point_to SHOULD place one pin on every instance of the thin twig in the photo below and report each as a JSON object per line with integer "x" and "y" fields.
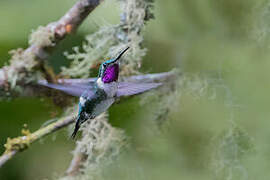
{"x": 64, "y": 26}
{"x": 19, "y": 144}
{"x": 76, "y": 164}
{"x": 5, "y": 157}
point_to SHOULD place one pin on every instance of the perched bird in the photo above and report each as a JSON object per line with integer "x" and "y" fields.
{"x": 98, "y": 94}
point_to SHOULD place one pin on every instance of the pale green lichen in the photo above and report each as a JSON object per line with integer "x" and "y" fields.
{"x": 230, "y": 147}
{"x": 23, "y": 62}
{"x": 42, "y": 37}
{"x": 21, "y": 66}
{"x": 93, "y": 48}
{"x": 167, "y": 99}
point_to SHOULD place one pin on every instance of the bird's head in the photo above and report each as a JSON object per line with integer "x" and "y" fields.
{"x": 109, "y": 70}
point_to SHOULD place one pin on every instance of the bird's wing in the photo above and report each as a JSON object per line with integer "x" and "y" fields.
{"x": 145, "y": 78}
{"x": 72, "y": 81}
{"x": 74, "y": 90}
{"x": 124, "y": 88}
{"x": 130, "y": 88}
{"x": 151, "y": 78}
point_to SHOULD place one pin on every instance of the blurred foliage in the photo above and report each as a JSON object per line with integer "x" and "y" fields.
{"x": 218, "y": 123}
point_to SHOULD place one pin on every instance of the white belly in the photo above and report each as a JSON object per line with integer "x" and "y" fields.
{"x": 109, "y": 88}
{"x": 102, "y": 106}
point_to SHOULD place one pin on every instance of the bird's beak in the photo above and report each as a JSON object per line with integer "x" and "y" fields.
{"x": 119, "y": 56}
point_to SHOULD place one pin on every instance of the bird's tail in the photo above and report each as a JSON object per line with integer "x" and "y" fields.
{"x": 77, "y": 127}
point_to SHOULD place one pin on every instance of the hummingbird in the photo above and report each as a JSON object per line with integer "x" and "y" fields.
{"x": 98, "y": 94}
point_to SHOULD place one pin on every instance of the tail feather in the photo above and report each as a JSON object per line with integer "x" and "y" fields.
{"x": 77, "y": 127}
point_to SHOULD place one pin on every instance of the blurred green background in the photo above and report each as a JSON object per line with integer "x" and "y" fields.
{"x": 223, "y": 44}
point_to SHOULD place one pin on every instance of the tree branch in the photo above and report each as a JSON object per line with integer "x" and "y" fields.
{"x": 66, "y": 25}
{"x": 38, "y": 50}
{"x": 5, "y": 157}
{"x": 19, "y": 144}
{"x": 76, "y": 164}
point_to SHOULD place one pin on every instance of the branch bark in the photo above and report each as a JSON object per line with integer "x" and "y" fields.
{"x": 76, "y": 164}
{"x": 19, "y": 144}
{"x": 64, "y": 26}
